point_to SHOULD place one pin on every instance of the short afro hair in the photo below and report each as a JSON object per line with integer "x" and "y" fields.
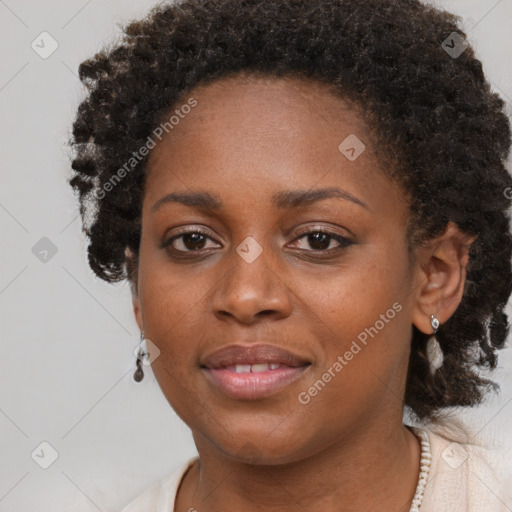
{"x": 431, "y": 114}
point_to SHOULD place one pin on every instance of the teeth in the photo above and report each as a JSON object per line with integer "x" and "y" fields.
{"x": 263, "y": 367}
{"x": 254, "y": 368}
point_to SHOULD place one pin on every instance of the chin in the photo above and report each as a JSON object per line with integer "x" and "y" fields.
{"x": 259, "y": 447}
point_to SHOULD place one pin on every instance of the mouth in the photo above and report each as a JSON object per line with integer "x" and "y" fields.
{"x": 250, "y": 373}
{"x": 254, "y": 368}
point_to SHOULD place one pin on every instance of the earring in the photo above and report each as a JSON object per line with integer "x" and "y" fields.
{"x": 434, "y": 352}
{"x": 434, "y": 322}
{"x": 139, "y": 372}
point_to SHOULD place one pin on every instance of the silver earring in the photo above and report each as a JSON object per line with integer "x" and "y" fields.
{"x": 434, "y": 351}
{"x": 139, "y": 372}
{"x": 434, "y": 322}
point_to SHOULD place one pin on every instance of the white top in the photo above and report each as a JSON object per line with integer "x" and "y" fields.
{"x": 463, "y": 477}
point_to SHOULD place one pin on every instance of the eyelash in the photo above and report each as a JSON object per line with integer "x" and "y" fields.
{"x": 343, "y": 241}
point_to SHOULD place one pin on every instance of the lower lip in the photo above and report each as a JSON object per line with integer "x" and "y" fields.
{"x": 251, "y": 386}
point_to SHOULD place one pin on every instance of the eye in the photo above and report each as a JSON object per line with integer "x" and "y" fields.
{"x": 195, "y": 239}
{"x": 320, "y": 240}
{"x": 188, "y": 241}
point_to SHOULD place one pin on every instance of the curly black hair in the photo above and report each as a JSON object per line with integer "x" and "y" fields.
{"x": 431, "y": 114}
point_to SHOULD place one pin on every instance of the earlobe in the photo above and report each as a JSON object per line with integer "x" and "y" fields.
{"x": 137, "y": 311}
{"x": 441, "y": 273}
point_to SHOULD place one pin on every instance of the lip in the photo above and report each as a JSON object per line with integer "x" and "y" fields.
{"x": 219, "y": 370}
{"x": 262, "y": 353}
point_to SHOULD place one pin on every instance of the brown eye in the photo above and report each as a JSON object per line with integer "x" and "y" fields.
{"x": 193, "y": 241}
{"x": 321, "y": 240}
{"x": 189, "y": 241}
{"x": 197, "y": 240}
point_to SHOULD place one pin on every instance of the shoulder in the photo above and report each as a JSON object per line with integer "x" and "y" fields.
{"x": 466, "y": 474}
{"x": 161, "y": 495}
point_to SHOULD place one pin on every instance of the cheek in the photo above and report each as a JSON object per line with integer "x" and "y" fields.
{"x": 173, "y": 312}
{"x": 170, "y": 303}
{"x": 363, "y": 311}
{"x": 358, "y": 292}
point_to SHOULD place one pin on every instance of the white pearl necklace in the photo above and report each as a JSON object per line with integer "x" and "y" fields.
{"x": 425, "y": 461}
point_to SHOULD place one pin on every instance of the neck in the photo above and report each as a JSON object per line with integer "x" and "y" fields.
{"x": 377, "y": 470}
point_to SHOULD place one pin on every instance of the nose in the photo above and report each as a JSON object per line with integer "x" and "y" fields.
{"x": 252, "y": 289}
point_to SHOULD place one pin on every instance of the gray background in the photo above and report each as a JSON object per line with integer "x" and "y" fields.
{"x": 67, "y": 337}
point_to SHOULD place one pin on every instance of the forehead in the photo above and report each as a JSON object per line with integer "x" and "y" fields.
{"x": 257, "y": 134}
{"x": 262, "y": 105}
{"x": 253, "y": 115}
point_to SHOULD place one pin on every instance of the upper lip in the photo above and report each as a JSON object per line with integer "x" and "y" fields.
{"x": 253, "y": 354}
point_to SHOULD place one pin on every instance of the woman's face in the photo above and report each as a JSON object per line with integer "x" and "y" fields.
{"x": 340, "y": 302}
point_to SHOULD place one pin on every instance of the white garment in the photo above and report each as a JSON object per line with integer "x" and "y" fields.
{"x": 463, "y": 477}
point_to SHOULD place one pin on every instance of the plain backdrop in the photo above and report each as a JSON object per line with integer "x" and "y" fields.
{"x": 67, "y": 358}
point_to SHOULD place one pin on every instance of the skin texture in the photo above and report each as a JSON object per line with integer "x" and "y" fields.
{"x": 247, "y": 139}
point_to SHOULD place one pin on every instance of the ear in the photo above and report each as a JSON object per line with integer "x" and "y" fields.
{"x": 131, "y": 262}
{"x": 440, "y": 276}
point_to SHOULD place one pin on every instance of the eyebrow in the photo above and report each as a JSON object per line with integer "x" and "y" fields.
{"x": 282, "y": 199}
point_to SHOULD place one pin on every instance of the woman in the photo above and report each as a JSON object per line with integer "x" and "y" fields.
{"x": 309, "y": 200}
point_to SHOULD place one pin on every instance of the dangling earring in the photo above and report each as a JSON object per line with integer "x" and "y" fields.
{"x": 434, "y": 352}
{"x": 139, "y": 372}
{"x": 434, "y": 322}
